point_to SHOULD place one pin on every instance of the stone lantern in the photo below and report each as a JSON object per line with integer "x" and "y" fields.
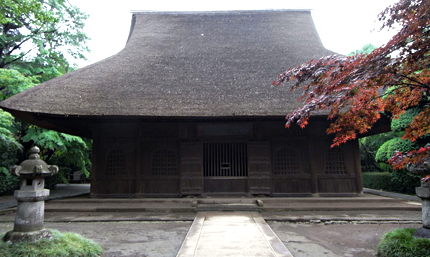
{"x": 31, "y": 197}
{"x": 423, "y": 192}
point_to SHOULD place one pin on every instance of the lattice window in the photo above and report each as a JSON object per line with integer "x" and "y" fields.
{"x": 227, "y": 159}
{"x": 335, "y": 162}
{"x": 164, "y": 163}
{"x": 286, "y": 162}
{"x": 116, "y": 163}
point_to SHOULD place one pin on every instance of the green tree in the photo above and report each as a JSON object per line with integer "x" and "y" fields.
{"x": 9, "y": 148}
{"x": 370, "y": 145}
{"x": 36, "y": 40}
{"x": 38, "y": 36}
{"x": 356, "y": 90}
{"x": 366, "y": 49}
{"x": 11, "y": 83}
{"x": 70, "y": 153}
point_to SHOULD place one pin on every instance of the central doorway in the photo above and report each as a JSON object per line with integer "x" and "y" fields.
{"x": 225, "y": 167}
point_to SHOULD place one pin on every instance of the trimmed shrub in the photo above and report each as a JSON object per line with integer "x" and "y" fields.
{"x": 404, "y": 120}
{"x": 377, "y": 180}
{"x": 402, "y": 243}
{"x": 387, "y": 150}
{"x": 398, "y": 181}
{"x": 404, "y": 182}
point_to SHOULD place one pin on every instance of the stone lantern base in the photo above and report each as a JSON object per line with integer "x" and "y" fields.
{"x": 18, "y": 237}
{"x": 423, "y": 192}
{"x": 30, "y": 211}
{"x": 422, "y": 232}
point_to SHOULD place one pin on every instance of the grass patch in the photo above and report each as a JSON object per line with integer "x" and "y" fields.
{"x": 61, "y": 244}
{"x": 402, "y": 243}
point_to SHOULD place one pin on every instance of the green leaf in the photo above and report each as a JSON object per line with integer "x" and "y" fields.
{"x": 13, "y": 82}
{"x": 38, "y": 37}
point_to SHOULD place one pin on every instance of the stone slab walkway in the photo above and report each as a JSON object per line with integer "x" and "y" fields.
{"x": 231, "y": 234}
{"x": 62, "y": 191}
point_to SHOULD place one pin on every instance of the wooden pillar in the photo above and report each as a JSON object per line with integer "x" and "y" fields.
{"x": 314, "y": 164}
{"x": 139, "y": 165}
{"x": 357, "y": 167}
{"x": 94, "y": 160}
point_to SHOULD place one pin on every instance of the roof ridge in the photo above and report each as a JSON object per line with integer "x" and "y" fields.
{"x": 217, "y": 11}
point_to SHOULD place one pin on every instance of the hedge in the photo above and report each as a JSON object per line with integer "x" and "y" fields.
{"x": 396, "y": 181}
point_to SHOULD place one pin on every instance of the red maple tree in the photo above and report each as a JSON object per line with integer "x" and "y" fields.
{"x": 355, "y": 90}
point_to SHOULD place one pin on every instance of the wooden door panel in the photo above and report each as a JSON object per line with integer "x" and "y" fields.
{"x": 191, "y": 168}
{"x": 259, "y": 167}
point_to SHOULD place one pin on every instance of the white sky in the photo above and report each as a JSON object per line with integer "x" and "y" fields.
{"x": 343, "y": 25}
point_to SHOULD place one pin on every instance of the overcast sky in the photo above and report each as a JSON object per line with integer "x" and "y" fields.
{"x": 343, "y": 25}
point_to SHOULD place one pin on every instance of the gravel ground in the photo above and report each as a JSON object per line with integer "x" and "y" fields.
{"x": 164, "y": 239}
{"x": 332, "y": 239}
{"x": 155, "y": 239}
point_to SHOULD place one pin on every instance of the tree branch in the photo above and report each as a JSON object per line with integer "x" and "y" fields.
{"x": 420, "y": 84}
{"x": 18, "y": 46}
{"x": 17, "y": 58}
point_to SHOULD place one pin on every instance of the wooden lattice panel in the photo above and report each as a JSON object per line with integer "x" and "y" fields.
{"x": 335, "y": 162}
{"x": 225, "y": 159}
{"x": 164, "y": 163}
{"x": 286, "y": 162}
{"x": 116, "y": 163}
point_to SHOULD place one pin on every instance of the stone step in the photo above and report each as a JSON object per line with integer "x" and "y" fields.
{"x": 229, "y": 204}
{"x": 227, "y": 207}
{"x": 273, "y": 200}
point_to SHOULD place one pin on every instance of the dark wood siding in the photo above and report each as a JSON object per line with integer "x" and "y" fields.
{"x": 259, "y": 165}
{"x": 180, "y": 159}
{"x": 116, "y": 147}
{"x": 159, "y": 174}
{"x": 191, "y": 168}
{"x": 338, "y": 174}
{"x": 290, "y": 169}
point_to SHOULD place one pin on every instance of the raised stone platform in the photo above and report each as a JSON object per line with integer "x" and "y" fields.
{"x": 260, "y": 204}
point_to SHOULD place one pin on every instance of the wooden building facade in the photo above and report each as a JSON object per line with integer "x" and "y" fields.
{"x": 203, "y": 158}
{"x": 187, "y": 108}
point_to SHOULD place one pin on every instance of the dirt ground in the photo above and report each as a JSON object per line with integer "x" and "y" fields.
{"x": 164, "y": 239}
{"x": 127, "y": 239}
{"x": 333, "y": 240}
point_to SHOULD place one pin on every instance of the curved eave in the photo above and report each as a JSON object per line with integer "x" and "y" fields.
{"x": 74, "y": 125}
{"x": 83, "y": 125}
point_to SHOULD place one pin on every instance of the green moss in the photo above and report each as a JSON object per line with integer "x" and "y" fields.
{"x": 402, "y": 243}
{"x": 61, "y": 244}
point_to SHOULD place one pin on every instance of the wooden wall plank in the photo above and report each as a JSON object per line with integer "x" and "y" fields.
{"x": 191, "y": 168}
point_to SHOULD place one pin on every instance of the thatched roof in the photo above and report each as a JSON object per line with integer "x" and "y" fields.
{"x": 202, "y": 64}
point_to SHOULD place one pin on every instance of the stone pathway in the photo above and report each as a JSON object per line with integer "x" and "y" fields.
{"x": 62, "y": 191}
{"x": 231, "y": 234}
